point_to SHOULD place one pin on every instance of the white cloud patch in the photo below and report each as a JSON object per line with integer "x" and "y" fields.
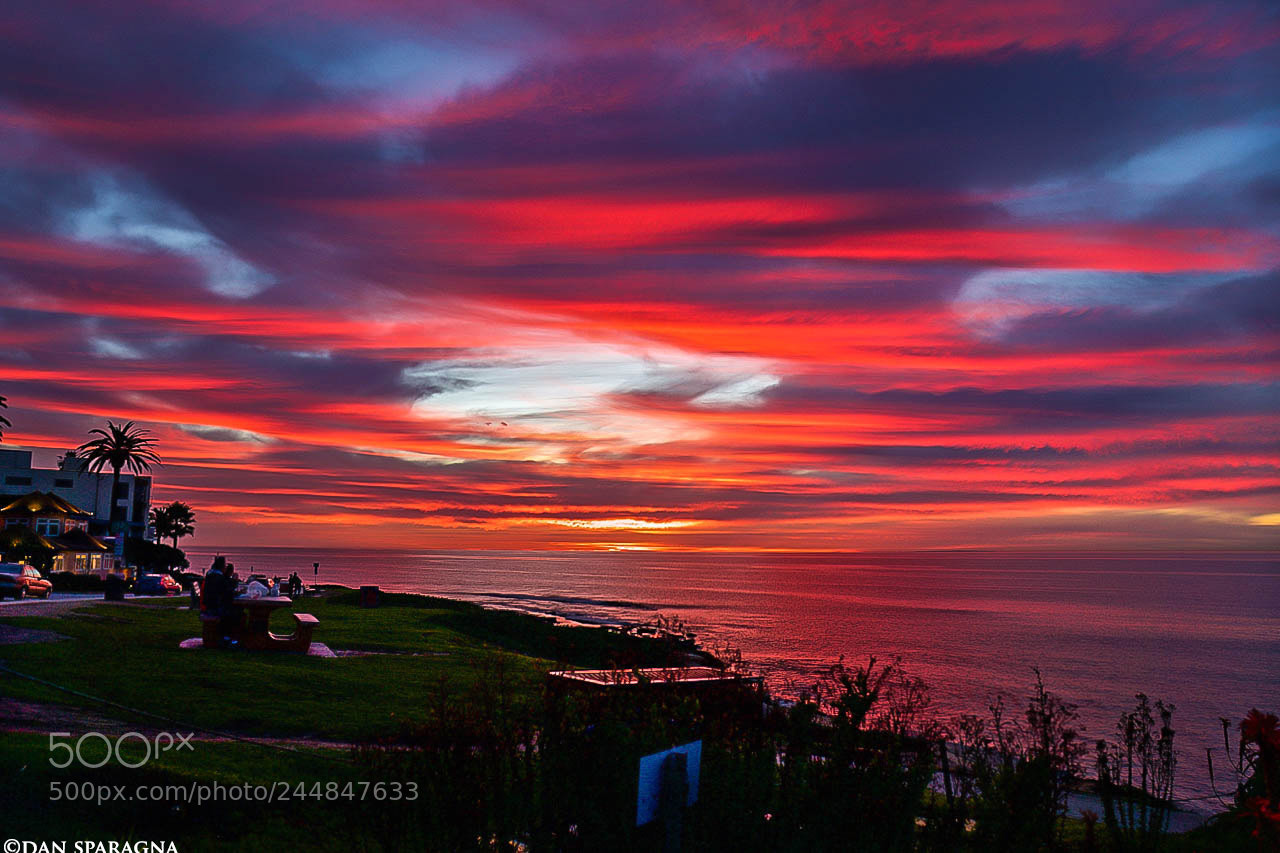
{"x": 418, "y": 69}
{"x": 744, "y": 393}
{"x": 217, "y": 433}
{"x": 575, "y": 387}
{"x": 992, "y": 301}
{"x": 1195, "y": 155}
{"x": 133, "y": 217}
{"x": 108, "y": 348}
{"x": 1229, "y": 155}
{"x": 614, "y": 523}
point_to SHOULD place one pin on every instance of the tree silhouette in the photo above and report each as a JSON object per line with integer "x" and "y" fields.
{"x": 174, "y": 521}
{"x": 4, "y": 422}
{"x": 161, "y": 522}
{"x": 117, "y": 447}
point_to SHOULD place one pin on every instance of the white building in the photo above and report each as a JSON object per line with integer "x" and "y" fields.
{"x": 87, "y": 490}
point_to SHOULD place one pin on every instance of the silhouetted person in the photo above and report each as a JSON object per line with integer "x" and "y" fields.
{"x": 212, "y": 591}
{"x": 232, "y": 613}
{"x": 213, "y": 598}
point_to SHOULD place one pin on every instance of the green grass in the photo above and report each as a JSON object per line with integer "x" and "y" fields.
{"x": 26, "y": 777}
{"x": 129, "y": 654}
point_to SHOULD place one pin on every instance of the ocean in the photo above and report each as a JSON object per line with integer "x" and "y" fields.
{"x": 1201, "y": 631}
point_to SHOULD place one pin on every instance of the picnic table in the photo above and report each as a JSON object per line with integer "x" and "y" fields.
{"x": 254, "y": 632}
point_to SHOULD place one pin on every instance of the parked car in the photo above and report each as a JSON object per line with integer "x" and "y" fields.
{"x": 190, "y": 579}
{"x": 156, "y": 585}
{"x": 22, "y": 581}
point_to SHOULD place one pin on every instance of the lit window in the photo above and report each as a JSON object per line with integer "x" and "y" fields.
{"x": 48, "y": 526}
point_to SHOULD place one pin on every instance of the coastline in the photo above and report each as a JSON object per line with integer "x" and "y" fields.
{"x": 482, "y": 624}
{"x": 1194, "y": 629}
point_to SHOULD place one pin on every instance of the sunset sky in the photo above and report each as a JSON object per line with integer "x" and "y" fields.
{"x": 652, "y": 274}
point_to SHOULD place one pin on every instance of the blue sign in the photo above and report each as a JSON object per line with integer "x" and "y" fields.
{"x": 650, "y": 793}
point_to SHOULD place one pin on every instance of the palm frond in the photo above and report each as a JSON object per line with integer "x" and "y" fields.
{"x": 120, "y": 446}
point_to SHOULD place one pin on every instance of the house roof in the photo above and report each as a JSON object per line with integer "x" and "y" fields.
{"x": 75, "y": 541}
{"x": 22, "y": 537}
{"x": 42, "y": 504}
{"x": 78, "y": 540}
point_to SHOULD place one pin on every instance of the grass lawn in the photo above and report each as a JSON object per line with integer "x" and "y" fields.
{"x": 27, "y": 782}
{"x": 432, "y": 651}
{"x": 128, "y": 654}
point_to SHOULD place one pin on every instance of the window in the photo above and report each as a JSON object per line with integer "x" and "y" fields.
{"x": 64, "y": 484}
{"x": 16, "y": 522}
{"x": 48, "y": 526}
{"x": 17, "y": 481}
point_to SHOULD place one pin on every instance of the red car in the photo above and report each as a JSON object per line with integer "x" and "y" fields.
{"x": 20, "y": 581}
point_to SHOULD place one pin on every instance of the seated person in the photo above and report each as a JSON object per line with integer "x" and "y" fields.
{"x": 216, "y": 595}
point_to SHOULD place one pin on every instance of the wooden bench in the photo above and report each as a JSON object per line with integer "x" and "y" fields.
{"x": 300, "y": 639}
{"x": 213, "y": 629}
{"x": 252, "y": 634}
{"x": 210, "y": 631}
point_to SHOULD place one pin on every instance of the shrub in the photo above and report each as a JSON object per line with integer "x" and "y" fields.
{"x": 154, "y": 557}
{"x": 1258, "y": 798}
{"x": 1011, "y": 778}
{"x": 1135, "y": 777}
{"x": 857, "y": 756}
{"x": 71, "y": 582}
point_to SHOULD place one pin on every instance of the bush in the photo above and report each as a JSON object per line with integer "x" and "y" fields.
{"x": 154, "y": 557}
{"x": 1135, "y": 777}
{"x": 70, "y": 582}
{"x": 1009, "y": 789}
{"x": 493, "y": 772}
{"x": 862, "y": 739}
{"x": 1257, "y": 768}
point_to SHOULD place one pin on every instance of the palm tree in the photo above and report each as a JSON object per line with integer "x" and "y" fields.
{"x": 174, "y": 521}
{"x": 161, "y": 522}
{"x": 4, "y": 422}
{"x": 118, "y": 447}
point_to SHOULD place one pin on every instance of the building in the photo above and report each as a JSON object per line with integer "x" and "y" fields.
{"x": 720, "y": 692}
{"x": 41, "y": 521}
{"x": 83, "y": 489}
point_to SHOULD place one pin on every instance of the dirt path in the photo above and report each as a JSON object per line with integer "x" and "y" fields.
{"x": 53, "y": 607}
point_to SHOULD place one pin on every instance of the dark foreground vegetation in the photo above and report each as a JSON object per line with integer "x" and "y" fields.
{"x": 457, "y": 710}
